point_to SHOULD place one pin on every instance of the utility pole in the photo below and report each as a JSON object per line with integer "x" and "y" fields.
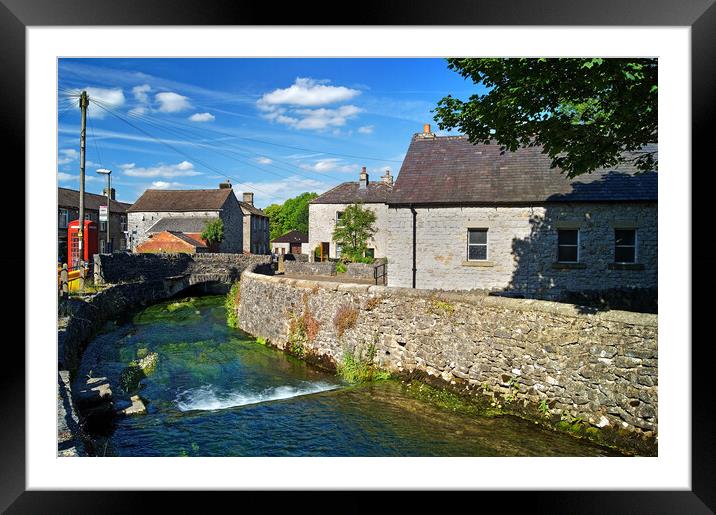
{"x": 84, "y": 102}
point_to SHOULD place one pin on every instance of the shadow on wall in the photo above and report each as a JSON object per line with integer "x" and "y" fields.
{"x": 588, "y": 279}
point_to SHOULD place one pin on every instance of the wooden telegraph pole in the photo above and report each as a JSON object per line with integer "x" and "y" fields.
{"x": 84, "y": 102}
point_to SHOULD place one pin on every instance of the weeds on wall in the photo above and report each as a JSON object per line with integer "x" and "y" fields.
{"x": 233, "y": 299}
{"x": 439, "y": 307}
{"x": 358, "y": 367}
{"x": 373, "y": 303}
{"x": 302, "y": 330}
{"x": 345, "y": 318}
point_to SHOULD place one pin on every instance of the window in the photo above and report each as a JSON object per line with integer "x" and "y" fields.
{"x": 625, "y": 245}
{"x": 477, "y": 244}
{"x": 370, "y": 253}
{"x": 339, "y": 214}
{"x": 64, "y": 218}
{"x": 123, "y": 221}
{"x": 568, "y": 245}
{"x": 338, "y": 250}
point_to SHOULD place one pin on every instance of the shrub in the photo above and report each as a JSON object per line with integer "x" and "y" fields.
{"x": 345, "y": 318}
{"x": 341, "y": 268}
{"x": 356, "y": 368}
{"x": 302, "y": 329}
{"x": 213, "y": 231}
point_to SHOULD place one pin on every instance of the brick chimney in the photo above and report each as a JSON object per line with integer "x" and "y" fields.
{"x": 387, "y": 178}
{"x": 426, "y": 129}
{"x": 225, "y": 185}
{"x": 363, "y": 178}
{"x": 111, "y": 193}
{"x": 249, "y": 198}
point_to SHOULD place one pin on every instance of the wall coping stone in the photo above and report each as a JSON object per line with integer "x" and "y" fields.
{"x": 498, "y": 302}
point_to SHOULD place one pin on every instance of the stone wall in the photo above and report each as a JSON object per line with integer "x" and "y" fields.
{"x": 126, "y": 267}
{"x": 600, "y": 367}
{"x": 362, "y": 270}
{"x": 522, "y": 248}
{"x": 306, "y": 268}
{"x": 322, "y": 221}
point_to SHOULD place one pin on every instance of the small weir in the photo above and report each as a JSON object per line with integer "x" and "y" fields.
{"x": 210, "y": 390}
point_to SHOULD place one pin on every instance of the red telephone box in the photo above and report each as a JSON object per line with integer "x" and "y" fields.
{"x": 89, "y": 246}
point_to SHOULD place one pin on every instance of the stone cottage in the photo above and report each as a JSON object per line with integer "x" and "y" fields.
{"x": 256, "y": 227}
{"x": 464, "y": 216}
{"x": 187, "y": 211}
{"x": 325, "y": 211}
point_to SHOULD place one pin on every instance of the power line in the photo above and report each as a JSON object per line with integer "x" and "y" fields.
{"x": 181, "y": 152}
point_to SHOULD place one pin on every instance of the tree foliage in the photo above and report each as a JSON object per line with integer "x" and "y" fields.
{"x": 352, "y": 232}
{"x": 213, "y": 231}
{"x": 585, "y": 113}
{"x": 292, "y": 215}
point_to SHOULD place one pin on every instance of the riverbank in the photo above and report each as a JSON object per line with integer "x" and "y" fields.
{"x": 574, "y": 369}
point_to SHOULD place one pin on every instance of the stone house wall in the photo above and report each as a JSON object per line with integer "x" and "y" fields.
{"x": 139, "y": 223}
{"x": 322, "y": 221}
{"x": 522, "y": 248}
{"x": 255, "y": 234}
{"x": 601, "y": 367}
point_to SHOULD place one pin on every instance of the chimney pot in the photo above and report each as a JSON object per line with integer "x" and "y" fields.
{"x": 225, "y": 185}
{"x": 387, "y": 178}
{"x": 363, "y": 178}
{"x": 249, "y": 198}
{"x": 426, "y": 128}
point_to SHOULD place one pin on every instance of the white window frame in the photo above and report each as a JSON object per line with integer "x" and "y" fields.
{"x": 486, "y": 244}
{"x": 339, "y": 250}
{"x": 338, "y": 216}
{"x": 636, "y": 245}
{"x": 579, "y": 244}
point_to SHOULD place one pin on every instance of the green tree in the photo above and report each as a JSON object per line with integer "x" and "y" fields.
{"x": 355, "y": 228}
{"x": 292, "y": 215}
{"x": 213, "y": 231}
{"x": 585, "y": 113}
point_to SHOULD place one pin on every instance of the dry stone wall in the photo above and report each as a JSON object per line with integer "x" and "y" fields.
{"x": 600, "y": 367}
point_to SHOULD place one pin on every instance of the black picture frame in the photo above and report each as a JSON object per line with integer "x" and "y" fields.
{"x": 700, "y": 15}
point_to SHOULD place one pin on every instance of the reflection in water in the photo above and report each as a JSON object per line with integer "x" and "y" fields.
{"x": 216, "y": 392}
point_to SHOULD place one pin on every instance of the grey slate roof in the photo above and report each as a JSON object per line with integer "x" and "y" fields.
{"x": 181, "y": 200}
{"x": 451, "y": 170}
{"x": 71, "y": 198}
{"x": 292, "y": 237}
{"x": 180, "y": 224}
{"x": 251, "y": 209}
{"x": 377, "y": 192}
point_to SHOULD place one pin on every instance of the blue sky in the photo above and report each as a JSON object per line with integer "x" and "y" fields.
{"x": 277, "y": 127}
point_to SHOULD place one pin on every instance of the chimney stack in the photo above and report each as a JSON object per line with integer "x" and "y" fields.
{"x": 387, "y": 178}
{"x": 249, "y": 198}
{"x": 111, "y": 193}
{"x": 225, "y": 185}
{"x": 363, "y": 178}
{"x": 426, "y": 129}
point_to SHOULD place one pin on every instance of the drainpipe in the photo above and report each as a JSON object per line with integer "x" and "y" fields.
{"x": 415, "y": 214}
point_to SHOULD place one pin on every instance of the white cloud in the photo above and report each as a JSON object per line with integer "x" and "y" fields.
{"x": 308, "y": 92}
{"x": 138, "y": 110}
{"x": 65, "y": 177}
{"x": 202, "y": 117}
{"x": 290, "y": 106}
{"x": 329, "y": 165}
{"x": 164, "y": 185}
{"x": 170, "y": 102}
{"x": 140, "y": 93}
{"x": 107, "y": 98}
{"x": 68, "y": 155}
{"x": 278, "y": 191}
{"x": 366, "y": 129}
{"x": 183, "y": 169}
{"x": 264, "y": 160}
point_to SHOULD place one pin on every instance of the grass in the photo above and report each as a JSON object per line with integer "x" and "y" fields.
{"x": 355, "y": 368}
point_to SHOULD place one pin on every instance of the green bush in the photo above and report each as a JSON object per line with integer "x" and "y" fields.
{"x": 233, "y": 298}
{"x": 341, "y": 267}
{"x": 356, "y": 368}
{"x": 213, "y": 231}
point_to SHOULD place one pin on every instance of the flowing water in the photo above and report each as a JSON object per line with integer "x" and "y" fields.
{"x": 215, "y": 391}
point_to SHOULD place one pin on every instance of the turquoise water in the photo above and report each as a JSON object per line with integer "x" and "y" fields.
{"x": 215, "y": 391}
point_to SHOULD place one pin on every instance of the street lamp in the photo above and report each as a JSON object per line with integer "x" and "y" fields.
{"x": 108, "y": 173}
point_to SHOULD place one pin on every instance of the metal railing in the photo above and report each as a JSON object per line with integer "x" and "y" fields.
{"x": 380, "y": 271}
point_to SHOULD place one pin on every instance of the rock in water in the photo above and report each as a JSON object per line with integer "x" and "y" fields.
{"x": 137, "y": 407}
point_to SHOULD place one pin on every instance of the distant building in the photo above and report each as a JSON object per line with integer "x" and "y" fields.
{"x": 289, "y": 243}
{"x": 172, "y": 242}
{"x": 187, "y": 212}
{"x": 68, "y": 209}
{"x": 256, "y": 227}
{"x": 325, "y": 211}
